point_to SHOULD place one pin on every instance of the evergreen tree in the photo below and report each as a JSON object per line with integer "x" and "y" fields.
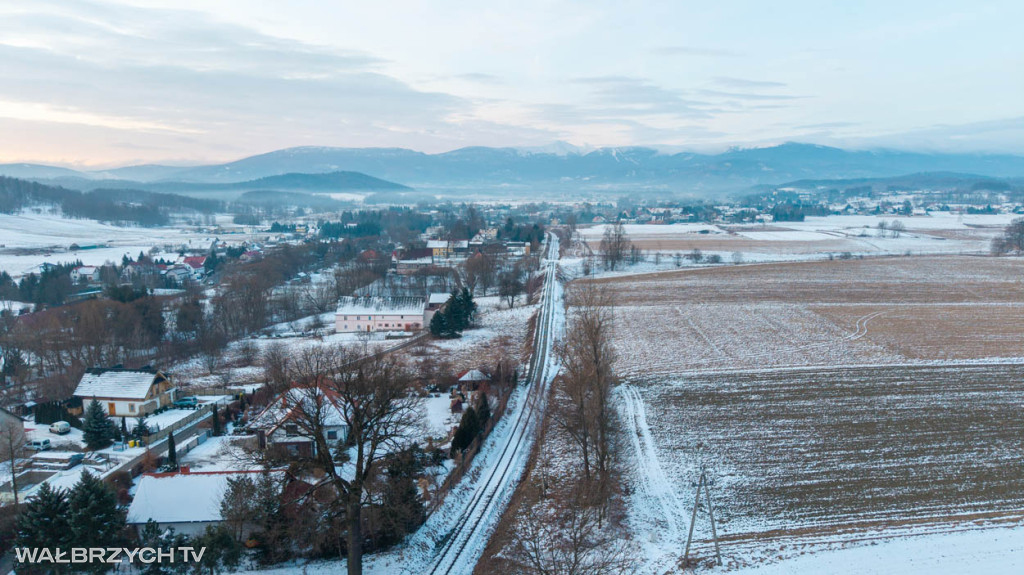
{"x": 172, "y": 451}
{"x": 216, "y": 422}
{"x": 484, "y": 411}
{"x": 402, "y": 510}
{"x": 154, "y": 537}
{"x": 141, "y": 429}
{"x": 440, "y": 326}
{"x": 44, "y": 523}
{"x": 96, "y": 428}
{"x": 222, "y": 551}
{"x": 93, "y": 518}
{"x": 469, "y": 428}
{"x": 124, "y": 430}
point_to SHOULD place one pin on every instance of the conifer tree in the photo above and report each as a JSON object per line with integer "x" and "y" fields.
{"x": 484, "y": 411}
{"x": 216, "y": 422}
{"x": 141, "y": 429}
{"x": 440, "y": 326}
{"x": 124, "y": 430}
{"x": 172, "y": 451}
{"x": 44, "y": 522}
{"x": 93, "y": 517}
{"x": 469, "y": 428}
{"x": 96, "y": 428}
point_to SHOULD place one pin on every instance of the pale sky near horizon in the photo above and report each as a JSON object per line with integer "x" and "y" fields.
{"x": 106, "y": 83}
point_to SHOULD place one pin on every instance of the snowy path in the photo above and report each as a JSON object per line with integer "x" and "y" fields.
{"x": 658, "y": 517}
{"x": 456, "y": 534}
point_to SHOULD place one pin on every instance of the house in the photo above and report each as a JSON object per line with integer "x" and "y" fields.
{"x": 196, "y": 266}
{"x": 187, "y": 501}
{"x": 367, "y": 314}
{"x": 435, "y": 302}
{"x": 84, "y": 274}
{"x": 126, "y": 392}
{"x": 13, "y": 425}
{"x": 279, "y": 423}
{"x": 444, "y": 249}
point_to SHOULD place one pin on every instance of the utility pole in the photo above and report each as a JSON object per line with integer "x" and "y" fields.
{"x": 702, "y": 484}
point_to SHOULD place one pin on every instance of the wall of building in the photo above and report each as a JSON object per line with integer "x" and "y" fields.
{"x": 380, "y": 322}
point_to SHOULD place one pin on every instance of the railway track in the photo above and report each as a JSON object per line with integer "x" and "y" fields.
{"x": 462, "y": 546}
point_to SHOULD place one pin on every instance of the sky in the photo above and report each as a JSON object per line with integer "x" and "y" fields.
{"x": 107, "y": 83}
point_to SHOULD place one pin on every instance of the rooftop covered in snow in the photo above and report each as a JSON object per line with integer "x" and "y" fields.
{"x": 117, "y": 383}
{"x": 380, "y": 306}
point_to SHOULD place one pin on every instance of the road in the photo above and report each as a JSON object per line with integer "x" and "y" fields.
{"x": 461, "y": 548}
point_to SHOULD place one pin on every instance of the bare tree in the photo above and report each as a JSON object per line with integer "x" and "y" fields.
{"x": 12, "y": 438}
{"x": 587, "y": 356}
{"x": 1012, "y": 240}
{"x": 510, "y": 286}
{"x": 565, "y": 541}
{"x": 615, "y": 246}
{"x": 372, "y": 396}
{"x": 896, "y": 228}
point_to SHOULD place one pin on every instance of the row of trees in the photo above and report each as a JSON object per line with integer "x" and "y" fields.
{"x": 1012, "y": 239}
{"x": 88, "y": 516}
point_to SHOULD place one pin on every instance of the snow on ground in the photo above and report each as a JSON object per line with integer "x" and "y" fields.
{"x": 990, "y": 551}
{"x": 438, "y": 414}
{"x": 224, "y": 453}
{"x": 70, "y": 440}
{"x": 35, "y": 236}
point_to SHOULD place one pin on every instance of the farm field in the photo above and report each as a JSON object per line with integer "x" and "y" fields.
{"x": 834, "y": 403}
{"x": 820, "y": 452}
{"x": 841, "y": 312}
{"x": 936, "y": 233}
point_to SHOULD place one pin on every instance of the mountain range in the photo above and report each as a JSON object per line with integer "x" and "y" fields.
{"x": 553, "y": 167}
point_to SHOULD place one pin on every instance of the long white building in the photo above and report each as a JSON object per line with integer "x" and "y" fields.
{"x": 357, "y": 314}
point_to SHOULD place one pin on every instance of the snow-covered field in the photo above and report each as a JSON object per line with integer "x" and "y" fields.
{"x": 32, "y": 237}
{"x": 855, "y": 408}
{"x": 813, "y": 239}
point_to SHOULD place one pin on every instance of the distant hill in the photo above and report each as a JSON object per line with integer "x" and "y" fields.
{"x": 329, "y": 182}
{"x": 551, "y": 168}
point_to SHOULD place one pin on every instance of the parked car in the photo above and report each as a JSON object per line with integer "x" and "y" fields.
{"x": 60, "y": 427}
{"x": 39, "y": 445}
{"x": 190, "y": 401}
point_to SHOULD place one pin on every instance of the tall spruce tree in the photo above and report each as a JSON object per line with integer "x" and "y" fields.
{"x": 469, "y": 428}
{"x": 44, "y": 523}
{"x": 96, "y": 429}
{"x": 172, "y": 451}
{"x": 216, "y": 422}
{"x": 93, "y": 518}
{"x": 484, "y": 411}
{"x": 440, "y": 326}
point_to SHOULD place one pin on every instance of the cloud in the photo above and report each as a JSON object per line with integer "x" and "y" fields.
{"x": 696, "y": 51}
{"x": 742, "y": 83}
{"x": 746, "y": 96}
{"x": 480, "y": 78}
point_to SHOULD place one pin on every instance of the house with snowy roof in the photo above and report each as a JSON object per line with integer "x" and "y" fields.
{"x": 187, "y": 501}
{"x": 85, "y": 274}
{"x": 368, "y": 314}
{"x": 126, "y": 392}
{"x": 444, "y": 249}
{"x": 283, "y": 424}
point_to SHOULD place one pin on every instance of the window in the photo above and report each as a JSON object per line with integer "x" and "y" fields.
{"x": 131, "y": 408}
{"x": 346, "y": 326}
{"x": 291, "y": 429}
{"x": 332, "y": 434}
{"x": 357, "y": 318}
